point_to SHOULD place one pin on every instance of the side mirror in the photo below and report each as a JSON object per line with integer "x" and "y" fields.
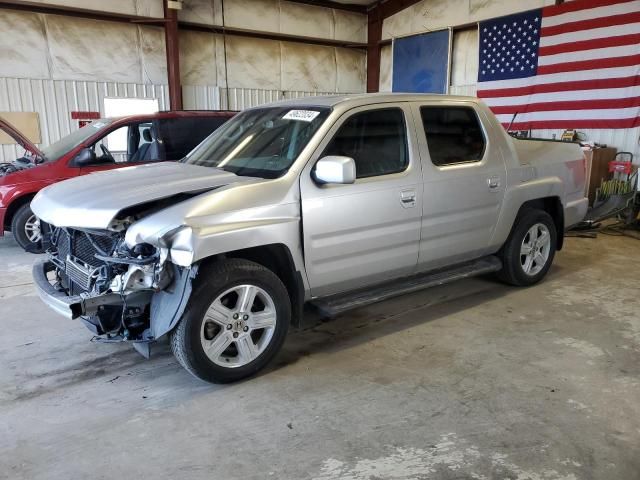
{"x": 85, "y": 157}
{"x": 335, "y": 169}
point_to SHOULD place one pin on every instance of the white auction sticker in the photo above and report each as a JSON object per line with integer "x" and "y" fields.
{"x": 304, "y": 115}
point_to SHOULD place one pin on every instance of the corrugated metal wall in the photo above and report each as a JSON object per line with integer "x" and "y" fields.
{"x": 211, "y": 97}
{"x": 54, "y": 100}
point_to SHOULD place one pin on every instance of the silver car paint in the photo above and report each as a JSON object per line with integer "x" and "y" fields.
{"x": 361, "y": 233}
{"x": 93, "y": 201}
{"x": 353, "y": 234}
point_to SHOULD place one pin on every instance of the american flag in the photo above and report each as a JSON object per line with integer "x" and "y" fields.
{"x": 573, "y": 65}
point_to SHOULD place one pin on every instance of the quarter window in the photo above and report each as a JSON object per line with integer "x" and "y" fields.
{"x": 453, "y": 135}
{"x": 375, "y": 139}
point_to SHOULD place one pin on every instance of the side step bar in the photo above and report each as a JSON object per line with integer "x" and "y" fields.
{"x": 336, "y": 304}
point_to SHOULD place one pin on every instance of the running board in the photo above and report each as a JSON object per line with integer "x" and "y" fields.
{"x": 336, "y": 304}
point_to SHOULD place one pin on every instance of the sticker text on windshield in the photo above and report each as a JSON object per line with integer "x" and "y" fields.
{"x": 304, "y": 115}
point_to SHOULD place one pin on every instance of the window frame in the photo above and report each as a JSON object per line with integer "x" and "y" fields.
{"x": 485, "y": 141}
{"x": 348, "y": 117}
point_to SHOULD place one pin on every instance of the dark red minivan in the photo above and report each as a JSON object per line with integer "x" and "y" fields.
{"x": 102, "y": 145}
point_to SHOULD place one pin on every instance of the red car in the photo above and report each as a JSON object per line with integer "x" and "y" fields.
{"x": 102, "y": 145}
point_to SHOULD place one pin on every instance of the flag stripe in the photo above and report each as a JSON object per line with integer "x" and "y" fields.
{"x": 616, "y": 41}
{"x": 590, "y": 64}
{"x": 602, "y": 33}
{"x": 577, "y": 105}
{"x": 572, "y": 123}
{"x": 576, "y": 6}
{"x": 585, "y": 55}
{"x": 604, "y": 73}
{"x": 589, "y": 13}
{"x": 622, "y": 19}
{"x": 561, "y": 86}
{"x": 600, "y": 114}
{"x": 566, "y": 96}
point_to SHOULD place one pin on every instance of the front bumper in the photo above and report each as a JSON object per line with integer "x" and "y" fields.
{"x": 68, "y": 306}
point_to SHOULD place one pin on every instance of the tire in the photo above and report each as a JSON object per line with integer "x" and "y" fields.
{"x": 518, "y": 268}
{"x": 27, "y": 233}
{"x": 223, "y": 286}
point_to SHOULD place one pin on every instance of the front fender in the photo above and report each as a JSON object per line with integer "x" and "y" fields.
{"x": 199, "y": 237}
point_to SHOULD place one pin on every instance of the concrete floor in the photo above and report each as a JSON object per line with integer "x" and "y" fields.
{"x": 469, "y": 381}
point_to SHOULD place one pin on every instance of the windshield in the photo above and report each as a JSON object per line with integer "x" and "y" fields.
{"x": 260, "y": 142}
{"x": 65, "y": 144}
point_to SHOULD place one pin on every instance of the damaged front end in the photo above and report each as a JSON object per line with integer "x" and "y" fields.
{"x": 121, "y": 293}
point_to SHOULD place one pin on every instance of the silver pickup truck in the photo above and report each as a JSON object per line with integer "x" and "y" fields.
{"x": 332, "y": 201}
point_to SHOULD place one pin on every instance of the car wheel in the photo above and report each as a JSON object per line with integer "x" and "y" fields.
{"x": 528, "y": 253}
{"x": 235, "y": 323}
{"x": 27, "y": 229}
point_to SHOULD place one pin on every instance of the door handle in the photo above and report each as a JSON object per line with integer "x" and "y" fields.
{"x": 408, "y": 198}
{"x": 493, "y": 182}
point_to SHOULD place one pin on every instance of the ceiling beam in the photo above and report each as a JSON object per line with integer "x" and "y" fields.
{"x": 285, "y": 37}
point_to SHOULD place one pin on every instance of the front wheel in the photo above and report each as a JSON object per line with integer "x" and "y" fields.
{"x": 528, "y": 253}
{"x": 27, "y": 229}
{"x": 235, "y": 323}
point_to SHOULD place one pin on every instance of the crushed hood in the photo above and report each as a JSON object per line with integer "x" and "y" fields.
{"x": 94, "y": 201}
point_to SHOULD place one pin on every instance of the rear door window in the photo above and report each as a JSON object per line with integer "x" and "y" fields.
{"x": 454, "y": 135}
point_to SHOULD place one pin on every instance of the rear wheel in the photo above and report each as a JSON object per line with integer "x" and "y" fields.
{"x": 528, "y": 253}
{"x": 235, "y": 323}
{"x": 27, "y": 229}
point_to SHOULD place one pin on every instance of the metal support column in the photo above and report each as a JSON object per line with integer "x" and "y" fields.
{"x": 172, "y": 44}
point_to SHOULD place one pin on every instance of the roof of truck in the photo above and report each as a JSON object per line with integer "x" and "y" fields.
{"x": 360, "y": 99}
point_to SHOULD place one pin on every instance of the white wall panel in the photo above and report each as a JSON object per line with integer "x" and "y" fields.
{"x": 69, "y": 48}
{"x": 386, "y": 65}
{"x": 30, "y": 59}
{"x": 54, "y": 100}
{"x": 83, "y": 49}
{"x": 430, "y": 15}
{"x": 147, "y": 8}
{"x": 351, "y": 68}
{"x": 253, "y": 63}
{"x": 270, "y": 64}
{"x": 307, "y": 67}
{"x": 208, "y": 12}
{"x": 467, "y": 90}
{"x": 198, "y": 58}
{"x": 153, "y": 55}
{"x": 350, "y": 26}
{"x": 306, "y": 20}
{"x": 279, "y": 16}
{"x": 464, "y": 59}
{"x": 262, "y": 15}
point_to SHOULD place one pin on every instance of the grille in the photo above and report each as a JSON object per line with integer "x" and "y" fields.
{"x": 81, "y": 274}
{"x": 76, "y": 252}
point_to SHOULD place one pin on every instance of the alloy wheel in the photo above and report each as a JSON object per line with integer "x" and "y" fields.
{"x": 535, "y": 249}
{"x": 238, "y": 326}
{"x": 33, "y": 229}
